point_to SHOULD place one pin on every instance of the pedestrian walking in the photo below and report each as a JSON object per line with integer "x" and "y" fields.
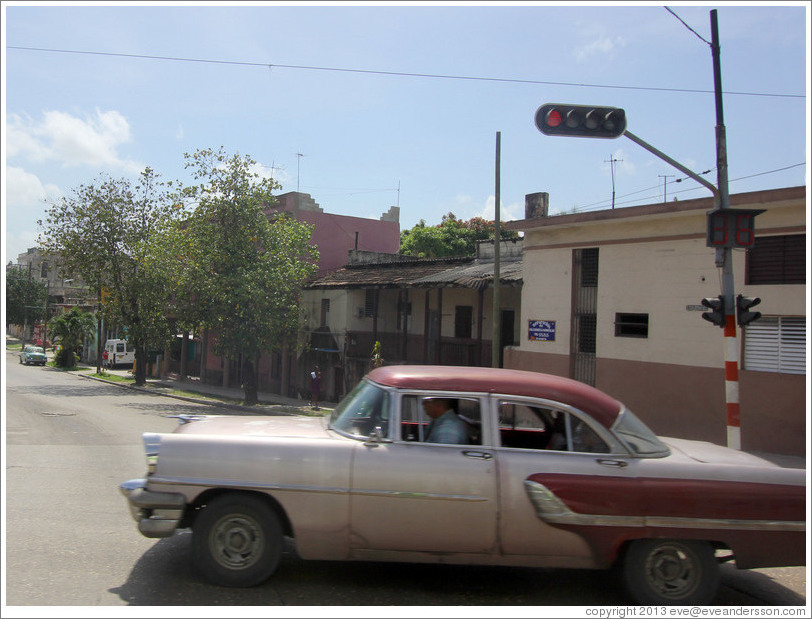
{"x": 315, "y": 387}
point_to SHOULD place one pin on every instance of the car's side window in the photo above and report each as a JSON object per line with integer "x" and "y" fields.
{"x": 414, "y": 421}
{"x": 535, "y": 427}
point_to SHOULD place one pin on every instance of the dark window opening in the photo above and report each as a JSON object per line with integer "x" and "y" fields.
{"x": 463, "y": 319}
{"x": 325, "y": 311}
{"x": 589, "y": 267}
{"x": 587, "y": 333}
{"x": 369, "y": 303}
{"x": 631, "y": 325}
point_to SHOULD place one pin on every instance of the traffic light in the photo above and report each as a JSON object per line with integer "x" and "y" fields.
{"x": 731, "y": 227}
{"x": 743, "y": 314}
{"x": 585, "y": 121}
{"x": 717, "y": 313}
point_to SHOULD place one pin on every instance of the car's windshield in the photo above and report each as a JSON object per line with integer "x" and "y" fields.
{"x": 637, "y": 435}
{"x": 33, "y": 349}
{"x": 363, "y": 409}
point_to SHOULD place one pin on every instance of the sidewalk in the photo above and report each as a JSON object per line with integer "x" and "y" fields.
{"x": 193, "y": 390}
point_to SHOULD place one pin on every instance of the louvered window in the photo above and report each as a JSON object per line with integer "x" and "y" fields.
{"x": 777, "y": 260}
{"x": 776, "y": 344}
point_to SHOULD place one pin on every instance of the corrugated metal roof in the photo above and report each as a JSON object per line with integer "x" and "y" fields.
{"x": 477, "y": 275}
{"x": 446, "y": 272}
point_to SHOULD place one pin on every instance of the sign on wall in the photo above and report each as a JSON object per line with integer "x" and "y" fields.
{"x": 541, "y": 330}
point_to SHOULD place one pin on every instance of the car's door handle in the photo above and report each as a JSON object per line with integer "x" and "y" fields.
{"x": 616, "y": 463}
{"x": 482, "y": 455}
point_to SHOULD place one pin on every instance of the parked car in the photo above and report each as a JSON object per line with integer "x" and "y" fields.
{"x": 553, "y": 473}
{"x": 33, "y": 354}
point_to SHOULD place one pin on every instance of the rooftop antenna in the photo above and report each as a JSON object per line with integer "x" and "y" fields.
{"x": 298, "y": 159}
{"x": 665, "y": 181}
{"x": 398, "y": 194}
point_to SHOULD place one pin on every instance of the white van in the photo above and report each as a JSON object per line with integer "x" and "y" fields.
{"x": 119, "y": 352}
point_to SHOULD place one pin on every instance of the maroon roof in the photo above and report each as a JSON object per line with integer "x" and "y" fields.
{"x": 602, "y": 407}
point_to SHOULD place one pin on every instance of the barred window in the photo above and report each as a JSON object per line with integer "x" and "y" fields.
{"x": 631, "y": 325}
{"x": 776, "y": 344}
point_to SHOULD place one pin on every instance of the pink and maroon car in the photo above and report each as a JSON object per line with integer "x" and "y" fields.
{"x": 551, "y": 473}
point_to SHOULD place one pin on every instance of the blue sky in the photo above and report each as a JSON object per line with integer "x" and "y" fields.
{"x": 363, "y": 135}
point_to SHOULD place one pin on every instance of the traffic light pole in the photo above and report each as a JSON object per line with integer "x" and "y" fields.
{"x": 570, "y": 120}
{"x": 724, "y": 256}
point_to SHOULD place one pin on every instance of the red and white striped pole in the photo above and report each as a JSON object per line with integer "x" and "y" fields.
{"x": 734, "y": 439}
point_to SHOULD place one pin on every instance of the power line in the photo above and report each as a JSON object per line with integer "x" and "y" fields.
{"x": 269, "y": 65}
{"x": 686, "y": 25}
{"x": 602, "y": 204}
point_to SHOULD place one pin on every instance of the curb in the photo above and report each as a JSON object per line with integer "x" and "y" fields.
{"x": 254, "y": 410}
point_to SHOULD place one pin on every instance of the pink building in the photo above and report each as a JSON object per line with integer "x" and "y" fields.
{"x": 336, "y": 235}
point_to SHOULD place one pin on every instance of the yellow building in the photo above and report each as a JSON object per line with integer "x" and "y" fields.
{"x": 613, "y": 298}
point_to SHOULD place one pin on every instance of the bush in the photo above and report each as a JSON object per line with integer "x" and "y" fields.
{"x": 65, "y": 358}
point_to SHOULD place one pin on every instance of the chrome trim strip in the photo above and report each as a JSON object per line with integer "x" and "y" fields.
{"x": 403, "y": 494}
{"x": 220, "y": 483}
{"x": 553, "y": 510}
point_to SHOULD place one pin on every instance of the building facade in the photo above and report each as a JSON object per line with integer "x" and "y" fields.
{"x": 613, "y": 298}
{"x": 436, "y": 311}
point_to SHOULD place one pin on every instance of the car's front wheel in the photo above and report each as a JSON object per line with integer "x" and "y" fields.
{"x": 237, "y": 541}
{"x": 659, "y": 571}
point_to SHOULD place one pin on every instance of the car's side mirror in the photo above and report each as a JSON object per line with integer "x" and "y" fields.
{"x": 377, "y": 437}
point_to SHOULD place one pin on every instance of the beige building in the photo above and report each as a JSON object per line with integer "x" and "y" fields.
{"x": 613, "y": 298}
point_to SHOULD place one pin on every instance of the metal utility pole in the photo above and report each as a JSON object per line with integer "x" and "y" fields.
{"x": 611, "y": 161}
{"x": 497, "y": 323}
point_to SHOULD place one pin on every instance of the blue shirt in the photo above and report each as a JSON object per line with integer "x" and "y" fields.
{"x": 447, "y": 428}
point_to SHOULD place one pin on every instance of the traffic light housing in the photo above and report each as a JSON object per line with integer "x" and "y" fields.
{"x": 732, "y": 227}
{"x": 717, "y": 313}
{"x": 584, "y": 121}
{"x": 743, "y": 314}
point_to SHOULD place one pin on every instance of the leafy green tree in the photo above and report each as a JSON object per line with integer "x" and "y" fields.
{"x": 451, "y": 237}
{"x": 239, "y": 272}
{"x": 25, "y": 297}
{"x": 70, "y": 329}
{"x": 106, "y": 233}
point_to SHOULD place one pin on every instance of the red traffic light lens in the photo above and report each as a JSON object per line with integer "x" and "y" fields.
{"x": 553, "y": 118}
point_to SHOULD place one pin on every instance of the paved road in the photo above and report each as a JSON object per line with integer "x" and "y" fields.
{"x": 71, "y": 542}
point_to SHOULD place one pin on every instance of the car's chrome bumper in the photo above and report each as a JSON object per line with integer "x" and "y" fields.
{"x": 157, "y": 513}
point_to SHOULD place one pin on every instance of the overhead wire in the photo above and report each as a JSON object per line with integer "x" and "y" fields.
{"x": 269, "y": 65}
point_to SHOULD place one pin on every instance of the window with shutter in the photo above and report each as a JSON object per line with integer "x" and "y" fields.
{"x": 776, "y": 260}
{"x": 776, "y": 344}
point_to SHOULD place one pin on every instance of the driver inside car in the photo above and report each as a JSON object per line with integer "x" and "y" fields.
{"x": 445, "y": 426}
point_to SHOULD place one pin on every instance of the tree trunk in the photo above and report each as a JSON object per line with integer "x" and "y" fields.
{"x": 250, "y": 382}
{"x": 140, "y": 366}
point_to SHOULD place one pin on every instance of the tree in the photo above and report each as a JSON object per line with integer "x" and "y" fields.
{"x": 242, "y": 271}
{"x": 451, "y": 237}
{"x": 105, "y": 233}
{"x": 70, "y": 329}
{"x": 25, "y": 297}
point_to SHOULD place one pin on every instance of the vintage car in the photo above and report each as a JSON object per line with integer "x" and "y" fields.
{"x": 552, "y": 473}
{"x": 33, "y": 354}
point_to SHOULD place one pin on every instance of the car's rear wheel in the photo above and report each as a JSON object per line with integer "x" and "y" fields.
{"x": 237, "y": 541}
{"x": 658, "y": 572}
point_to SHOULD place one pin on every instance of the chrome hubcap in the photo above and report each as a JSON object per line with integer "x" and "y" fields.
{"x": 672, "y": 572}
{"x": 237, "y": 542}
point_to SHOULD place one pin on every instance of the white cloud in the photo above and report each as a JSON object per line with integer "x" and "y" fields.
{"x": 507, "y": 212}
{"x": 602, "y": 45}
{"x": 72, "y": 141}
{"x": 24, "y": 190}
